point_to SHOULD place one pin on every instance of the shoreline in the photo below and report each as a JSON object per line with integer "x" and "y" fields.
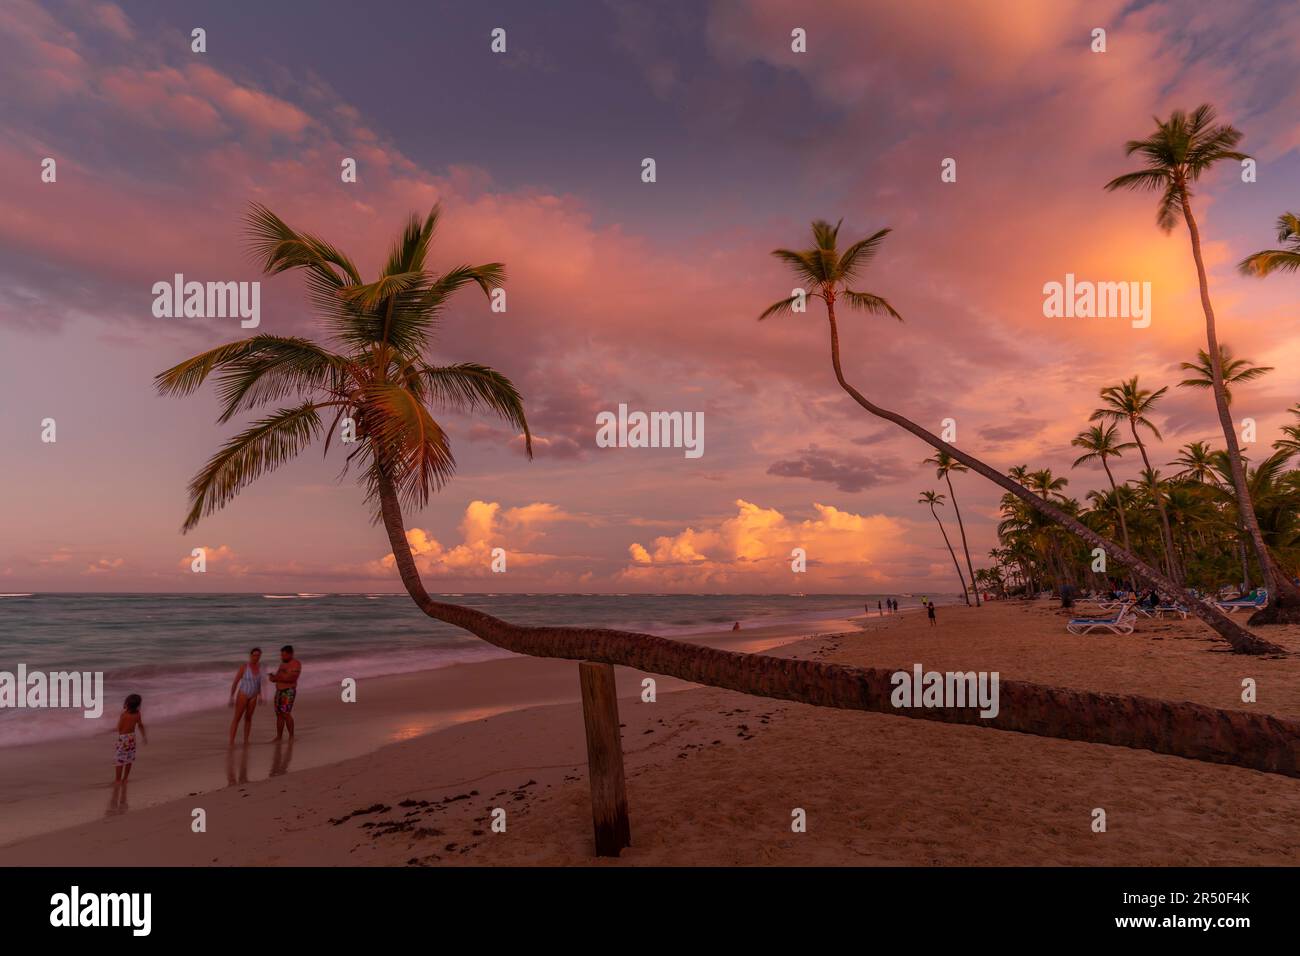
{"x": 66, "y": 781}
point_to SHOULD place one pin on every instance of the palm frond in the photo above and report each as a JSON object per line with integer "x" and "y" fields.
{"x": 263, "y": 447}
{"x": 470, "y": 386}
{"x": 867, "y": 302}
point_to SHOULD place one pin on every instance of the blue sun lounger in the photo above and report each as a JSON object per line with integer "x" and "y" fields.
{"x": 1252, "y": 605}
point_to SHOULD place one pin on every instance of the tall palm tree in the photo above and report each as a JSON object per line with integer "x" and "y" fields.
{"x": 1176, "y": 155}
{"x": 932, "y": 499}
{"x": 944, "y": 466}
{"x": 828, "y": 273}
{"x": 1277, "y": 260}
{"x": 1099, "y": 444}
{"x": 1235, "y": 370}
{"x": 1130, "y": 402}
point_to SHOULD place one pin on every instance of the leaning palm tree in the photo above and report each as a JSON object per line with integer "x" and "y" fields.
{"x": 377, "y": 372}
{"x": 1130, "y": 402}
{"x": 1235, "y": 370}
{"x": 827, "y": 273}
{"x": 1277, "y": 260}
{"x": 1176, "y": 155}
{"x": 1100, "y": 444}
{"x": 932, "y": 499}
{"x": 944, "y": 466}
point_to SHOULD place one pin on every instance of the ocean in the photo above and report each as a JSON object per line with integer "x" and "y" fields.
{"x": 180, "y": 651}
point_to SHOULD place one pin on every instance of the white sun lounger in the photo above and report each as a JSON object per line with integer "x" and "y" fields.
{"x": 1230, "y": 606}
{"x": 1121, "y": 623}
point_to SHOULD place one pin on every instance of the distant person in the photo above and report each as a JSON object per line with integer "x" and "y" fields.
{"x": 894, "y": 602}
{"x": 880, "y": 608}
{"x": 736, "y": 626}
{"x": 248, "y": 686}
{"x": 130, "y": 720}
{"x": 929, "y": 612}
{"x": 285, "y": 679}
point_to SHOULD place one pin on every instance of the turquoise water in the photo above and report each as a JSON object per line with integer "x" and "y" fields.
{"x": 180, "y": 651}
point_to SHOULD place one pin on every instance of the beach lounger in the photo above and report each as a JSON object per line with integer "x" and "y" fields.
{"x": 1120, "y": 623}
{"x": 1178, "y": 609}
{"x": 1229, "y": 607}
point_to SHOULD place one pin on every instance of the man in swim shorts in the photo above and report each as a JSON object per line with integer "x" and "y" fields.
{"x": 285, "y": 679}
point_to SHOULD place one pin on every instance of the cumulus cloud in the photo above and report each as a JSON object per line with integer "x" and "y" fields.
{"x": 755, "y": 546}
{"x": 484, "y": 527}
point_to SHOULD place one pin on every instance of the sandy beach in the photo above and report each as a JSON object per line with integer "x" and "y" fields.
{"x": 713, "y": 776}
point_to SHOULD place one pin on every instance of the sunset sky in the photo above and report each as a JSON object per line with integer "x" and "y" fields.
{"x": 619, "y": 291}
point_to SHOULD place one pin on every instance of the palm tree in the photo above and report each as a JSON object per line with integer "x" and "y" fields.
{"x": 1129, "y": 402}
{"x": 932, "y": 499}
{"x": 1100, "y": 444}
{"x": 374, "y": 371}
{"x": 944, "y": 466}
{"x": 1234, "y": 370}
{"x": 1277, "y": 260}
{"x": 1176, "y": 155}
{"x": 1197, "y": 463}
{"x": 828, "y": 273}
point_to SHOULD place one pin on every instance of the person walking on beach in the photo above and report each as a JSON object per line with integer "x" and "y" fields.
{"x": 880, "y": 609}
{"x": 248, "y": 686}
{"x": 130, "y": 720}
{"x": 285, "y": 679}
{"x": 929, "y": 612}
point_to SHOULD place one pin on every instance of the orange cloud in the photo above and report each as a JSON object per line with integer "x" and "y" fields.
{"x": 756, "y": 544}
{"x": 485, "y": 527}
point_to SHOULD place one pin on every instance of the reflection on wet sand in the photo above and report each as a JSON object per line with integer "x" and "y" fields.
{"x": 117, "y": 799}
{"x": 281, "y": 757}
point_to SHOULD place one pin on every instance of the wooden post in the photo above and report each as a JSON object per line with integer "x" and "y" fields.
{"x": 604, "y": 758}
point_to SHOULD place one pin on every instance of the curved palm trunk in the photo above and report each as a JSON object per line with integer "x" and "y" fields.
{"x": 1258, "y": 741}
{"x": 1242, "y": 640}
{"x": 951, "y": 552}
{"x": 1284, "y": 597}
{"x": 962, "y": 528}
{"x": 1119, "y": 509}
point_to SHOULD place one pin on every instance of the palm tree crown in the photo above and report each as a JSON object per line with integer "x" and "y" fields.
{"x": 1129, "y": 402}
{"x": 1100, "y": 443}
{"x": 1234, "y": 370}
{"x": 827, "y": 272}
{"x": 374, "y": 373}
{"x": 1175, "y": 155}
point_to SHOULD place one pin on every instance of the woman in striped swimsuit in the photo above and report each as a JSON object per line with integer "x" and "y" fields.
{"x": 248, "y": 686}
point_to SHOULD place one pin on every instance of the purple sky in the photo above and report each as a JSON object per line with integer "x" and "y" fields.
{"x": 620, "y": 291}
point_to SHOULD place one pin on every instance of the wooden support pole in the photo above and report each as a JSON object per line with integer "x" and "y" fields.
{"x": 604, "y": 758}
